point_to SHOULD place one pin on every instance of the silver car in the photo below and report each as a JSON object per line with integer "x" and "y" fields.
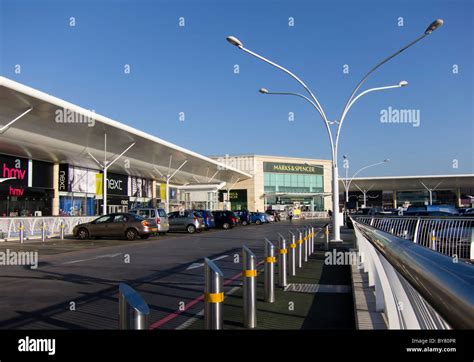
{"x": 157, "y": 215}
{"x": 188, "y": 220}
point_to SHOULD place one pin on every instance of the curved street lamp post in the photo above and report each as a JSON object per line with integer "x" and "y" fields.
{"x": 349, "y": 103}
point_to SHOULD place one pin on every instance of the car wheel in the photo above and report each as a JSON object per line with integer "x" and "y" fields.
{"x": 258, "y": 222}
{"x": 225, "y": 225}
{"x": 191, "y": 229}
{"x": 131, "y": 234}
{"x": 83, "y": 234}
{"x": 146, "y": 236}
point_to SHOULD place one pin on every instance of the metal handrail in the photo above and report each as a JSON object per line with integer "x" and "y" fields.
{"x": 447, "y": 286}
{"x": 449, "y": 235}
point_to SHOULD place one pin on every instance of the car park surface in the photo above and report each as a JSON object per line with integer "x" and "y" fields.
{"x": 164, "y": 269}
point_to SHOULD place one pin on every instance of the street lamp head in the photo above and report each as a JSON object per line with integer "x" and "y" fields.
{"x": 403, "y": 83}
{"x": 386, "y": 160}
{"x": 344, "y": 156}
{"x": 433, "y": 26}
{"x": 234, "y": 41}
{"x": 263, "y": 90}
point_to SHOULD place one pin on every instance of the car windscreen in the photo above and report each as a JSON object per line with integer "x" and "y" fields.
{"x": 161, "y": 213}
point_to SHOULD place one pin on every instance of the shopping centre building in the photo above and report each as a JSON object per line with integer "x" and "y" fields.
{"x": 53, "y": 156}
{"x": 279, "y": 183}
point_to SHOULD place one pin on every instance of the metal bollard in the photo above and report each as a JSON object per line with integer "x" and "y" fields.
{"x": 43, "y": 231}
{"x": 326, "y": 232}
{"x": 21, "y": 228}
{"x": 313, "y": 236}
{"x": 299, "y": 248}
{"x": 249, "y": 274}
{"x": 61, "y": 230}
{"x": 282, "y": 281}
{"x": 305, "y": 244}
{"x": 269, "y": 271}
{"x": 130, "y": 300}
{"x": 213, "y": 295}
{"x": 292, "y": 255}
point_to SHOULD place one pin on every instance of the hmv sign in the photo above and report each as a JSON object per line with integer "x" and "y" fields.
{"x": 117, "y": 184}
{"x": 14, "y": 171}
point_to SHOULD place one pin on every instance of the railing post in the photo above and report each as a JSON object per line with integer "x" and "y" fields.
{"x": 299, "y": 243}
{"x": 312, "y": 240}
{"x": 433, "y": 240}
{"x": 43, "y": 231}
{"x": 21, "y": 229}
{"x": 326, "y": 232}
{"x": 305, "y": 244}
{"x": 282, "y": 253}
{"x": 213, "y": 295}
{"x": 417, "y": 228}
{"x": 471, "y": 254}
{"x": 292, "y": 254}
{"x": 249, "y": 274}
{"x": 130, "y": 300}
{"x": 269, "y": 271}
{"x": 61, "y": 230}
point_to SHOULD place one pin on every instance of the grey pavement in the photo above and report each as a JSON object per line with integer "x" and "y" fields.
{"x": 76, "y": 283}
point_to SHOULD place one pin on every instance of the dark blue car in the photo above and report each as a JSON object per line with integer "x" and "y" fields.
{"x": 244, "y": 216}
{"x": 209, "y": 221}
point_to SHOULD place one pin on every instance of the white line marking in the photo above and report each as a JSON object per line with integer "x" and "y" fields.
{"x": 94, "y": 258}
{"x": 198, "y": 265}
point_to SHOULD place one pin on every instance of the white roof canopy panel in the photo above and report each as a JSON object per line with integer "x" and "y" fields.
{"x": 411, "y": 183}
{"x": 37, "y": 135}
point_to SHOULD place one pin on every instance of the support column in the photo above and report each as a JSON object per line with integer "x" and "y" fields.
{"x": 153, "y": 193}
{"x": 55, "y": 201}
{"x": 458, "y": 197}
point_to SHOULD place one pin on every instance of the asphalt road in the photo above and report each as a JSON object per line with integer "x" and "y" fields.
{"x": 76, "y": 283}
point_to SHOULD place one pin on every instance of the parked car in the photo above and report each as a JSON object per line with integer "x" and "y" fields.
{"x": 428, "y": 213}
{"x": 465, "y": 210}
{"x": 209, "y": 221}
{"x": 127, "y": 225}
{"x": 225, "y": 219}
{"x": 158, "y": 215}
{"x": 469, "y": 213}
{"x": 451, "y": 209}
{"x": 369, "y": 211}
{"x": 274, "y": 215}
{"x": 258, "y": 218}
{"x": 187, "y": 220}
{"x": 244, "y": 216}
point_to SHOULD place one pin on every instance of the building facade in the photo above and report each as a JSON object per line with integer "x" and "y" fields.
{"x": 278, "y": 183}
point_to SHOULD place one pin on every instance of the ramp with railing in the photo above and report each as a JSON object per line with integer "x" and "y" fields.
{"x": 10, "y": 227}
{"x": 415, "y": 286}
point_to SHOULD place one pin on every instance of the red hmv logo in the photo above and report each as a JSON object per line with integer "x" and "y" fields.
{"x": 14, "y": 173}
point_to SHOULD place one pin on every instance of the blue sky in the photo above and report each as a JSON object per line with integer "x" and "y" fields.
{"x": 191, "y": 69}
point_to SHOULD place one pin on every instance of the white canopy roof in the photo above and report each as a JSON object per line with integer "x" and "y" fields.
{"x": 411, "y": 183}
{"x": 38, "y": 135}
